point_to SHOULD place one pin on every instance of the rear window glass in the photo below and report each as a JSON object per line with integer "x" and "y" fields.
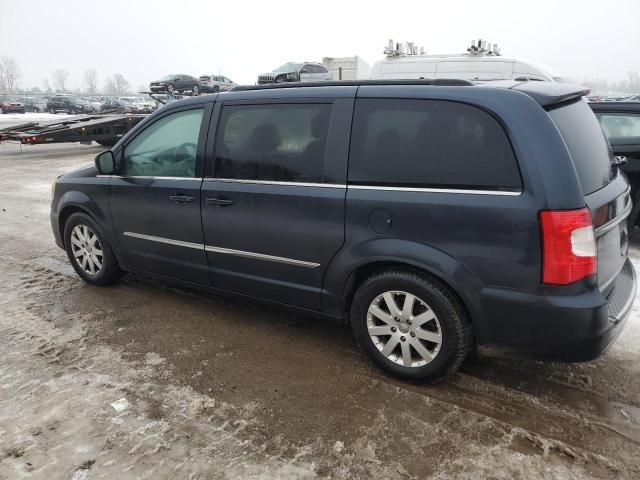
{"x": 587, "y": 144}
{"x": 621, "y": 128}
{"x": 430, "y": 143}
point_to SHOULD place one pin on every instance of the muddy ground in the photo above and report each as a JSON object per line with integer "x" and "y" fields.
{"x": 220, "y": 388}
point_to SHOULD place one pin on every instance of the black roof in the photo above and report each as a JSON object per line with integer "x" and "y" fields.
{"x": 544, "y": 93}
{"x": 354, "y": 83}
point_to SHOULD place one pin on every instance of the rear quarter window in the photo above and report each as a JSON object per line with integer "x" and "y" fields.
{"x": 430, "y": 143}
{"x": 587, "y": 144}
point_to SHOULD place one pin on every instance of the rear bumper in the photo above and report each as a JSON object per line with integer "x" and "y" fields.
{"x": 565, "y": 327}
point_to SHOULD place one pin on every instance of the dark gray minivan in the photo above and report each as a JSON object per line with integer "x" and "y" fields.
{"x": 434, "y": 216}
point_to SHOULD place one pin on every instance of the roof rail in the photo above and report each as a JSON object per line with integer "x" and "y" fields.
{"x": 443, "y": 82}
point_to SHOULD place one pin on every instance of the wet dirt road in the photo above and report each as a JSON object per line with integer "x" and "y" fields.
{"x": 220, "y": 388}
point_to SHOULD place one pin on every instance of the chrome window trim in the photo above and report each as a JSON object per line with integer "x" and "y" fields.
{"x": 261, "y": 256}
{"x": 225, "y": 251}
{"x": 275, "y": 182}
{"x": 151, "y": 177}
{"x": 437, "y": 190}
{"x": 369, "y": 187}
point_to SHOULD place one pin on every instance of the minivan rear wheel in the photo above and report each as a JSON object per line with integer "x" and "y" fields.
{"x": 410, "y": 326}
{"x": 89, "y": 252}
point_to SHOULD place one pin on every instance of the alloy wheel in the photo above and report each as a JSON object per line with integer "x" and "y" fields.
{"x": 87, "y": 250}
{"x": 404, "y": 329}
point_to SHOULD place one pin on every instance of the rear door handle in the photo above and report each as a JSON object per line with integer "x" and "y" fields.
{"x": 222, "y": 202}
{"x": 181, "y": 198}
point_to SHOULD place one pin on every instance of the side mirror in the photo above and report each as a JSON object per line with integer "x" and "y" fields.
{"x": 105, "y": 163}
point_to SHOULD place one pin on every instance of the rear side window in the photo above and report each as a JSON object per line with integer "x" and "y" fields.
{"x": 429, "y": 143}
{"x": 272, "y": 142}
{"x": 587, "y": 144}
{"x": 621, "y": 128}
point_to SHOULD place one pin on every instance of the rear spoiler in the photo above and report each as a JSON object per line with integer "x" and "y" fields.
{"x": 548, "y": 94}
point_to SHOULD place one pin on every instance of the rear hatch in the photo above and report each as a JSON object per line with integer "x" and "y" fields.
{"x": 206, "y": 80}
{"x": 606, "y": 191}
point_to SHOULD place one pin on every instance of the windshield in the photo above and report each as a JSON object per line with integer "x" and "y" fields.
{"x": 288, "y": 67}
{"x": 77, "y": 99}
{"x": 587, "y": 144}
{"x": 168, "y": 77}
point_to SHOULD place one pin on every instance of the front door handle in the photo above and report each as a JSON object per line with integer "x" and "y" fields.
{"x": 222, "y": 202}
{"x": 181, "y": 198}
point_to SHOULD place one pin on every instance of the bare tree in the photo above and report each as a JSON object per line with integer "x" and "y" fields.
{"x": 121, "y": 85}
{"x": 634, "y": 82}
{"x": 9, "y": 73}
{"x": 110, "y": 86}
{"x": 60, "y": 77}
{"x": 90, "y": 83}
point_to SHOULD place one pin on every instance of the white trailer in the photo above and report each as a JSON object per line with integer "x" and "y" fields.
{"x": 347, "y": 68}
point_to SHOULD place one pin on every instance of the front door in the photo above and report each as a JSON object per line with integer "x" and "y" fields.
{"x": 155, "y": 201}
{"x": 273, "y": 210}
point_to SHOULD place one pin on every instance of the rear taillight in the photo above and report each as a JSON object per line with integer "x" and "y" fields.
{"x": 568, "y": 246}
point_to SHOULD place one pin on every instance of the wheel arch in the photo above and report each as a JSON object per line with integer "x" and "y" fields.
{"x": 353, "y": 265}
{"x": 78, "y": 202}
{"x": 358, "y": 275}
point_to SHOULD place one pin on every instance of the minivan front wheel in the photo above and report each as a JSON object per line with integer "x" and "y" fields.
{"x": 410, "y": 325}
{"x": 88, "y": 251}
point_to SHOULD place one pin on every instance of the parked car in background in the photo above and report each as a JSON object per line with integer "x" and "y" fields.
{"x": 140, "y": 104}
{"x": 69, "y": 104}
{"x": 215, "y": 83}
{"x": 430, "y": 216}
{"x": 621, "y": 124}
{"x": 119, "y": 105}
{"x": 176, "y": 83}
{"x": 296, "y": 72}
{"x": 96, "y": 102}
{"x": 11, "y": 105}
{"x": 34, "y": 104}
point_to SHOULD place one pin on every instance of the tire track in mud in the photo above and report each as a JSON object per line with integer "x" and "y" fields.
{"x": 536, "y": 415}
{"x": 568, "y": 429}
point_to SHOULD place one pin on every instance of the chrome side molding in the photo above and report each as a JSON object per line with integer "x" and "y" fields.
{"x": 224, "y": 251}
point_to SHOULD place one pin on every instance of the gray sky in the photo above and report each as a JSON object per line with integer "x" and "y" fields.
{"x": 144, "y": 40}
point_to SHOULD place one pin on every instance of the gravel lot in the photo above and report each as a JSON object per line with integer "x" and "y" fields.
{"x": 219, "y": 388}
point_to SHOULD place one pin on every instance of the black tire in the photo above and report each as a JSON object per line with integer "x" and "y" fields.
{"x": 454, "y": 326}
{"x": 52, "y": 111}
{"x": 170, "y": 89}
{"x": 216, "y": 89}
{"x": 195, "y": 90}
{"x": 72, "y": 111}
{"x": 110, "y": 272}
